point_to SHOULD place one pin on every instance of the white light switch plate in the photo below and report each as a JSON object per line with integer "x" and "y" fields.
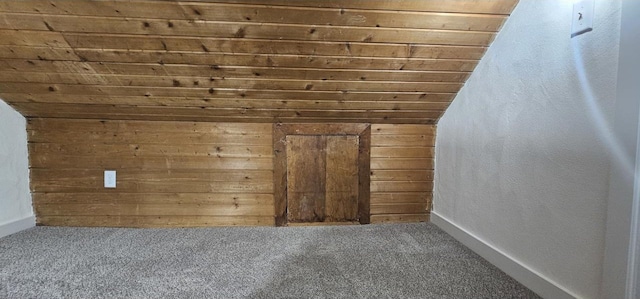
{"x": 582, "y": 17}
{"x": 109, "y": 178}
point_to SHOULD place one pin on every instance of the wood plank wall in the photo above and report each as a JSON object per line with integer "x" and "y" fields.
{"x": 168, "y": 173}
{"x": 182, "y": 174}
{"x": 354, "y": 61}
{"x": 401, "y": 172}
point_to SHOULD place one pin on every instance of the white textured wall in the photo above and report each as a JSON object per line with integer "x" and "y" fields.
{"x": 15, "y": 197}
{"x": 521, "y": 155}
{"x": 623, "y": 214}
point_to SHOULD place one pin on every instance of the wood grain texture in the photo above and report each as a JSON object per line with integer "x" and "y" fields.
{"x": 153, "y": 198}
{"x": 364, "y": 178}
{"x": 229, "y": 115}
{"x": 195, "y": 170}
{"x": 155, "y": 221}
{"x": 341, "y": 177}
{"x": 261, "y": 13}
{"x": 322, "y": 178}
{"x": 168, "y": 173}
{"x": 234, "y": 83}
{"x": 400, "y": 197}
{"x": 195, "y": 75}
{"x": 214, "y": 169}
{"x": 255, "y": 61}
{"x": 306, "y": 181}
{"x": 49, "y": 43}
{"x": 152, "y": 150}
{"x": 401, "y": 172}
{"x": 225, "y": 29}
{"x": 229, "y": 209}
{"x": 473, "y": 6}
{"x": 396, "y": 208}
{"x": 273, "y": 60}
{"x": 283, "y": 132}
{"x": 399, "y": 218}
{"x": 191, "y": 101}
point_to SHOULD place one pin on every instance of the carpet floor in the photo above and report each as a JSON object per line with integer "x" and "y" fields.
{"x": 370, "y": 261}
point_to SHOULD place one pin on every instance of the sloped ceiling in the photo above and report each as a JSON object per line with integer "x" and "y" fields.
{"x": 376, "y": 61}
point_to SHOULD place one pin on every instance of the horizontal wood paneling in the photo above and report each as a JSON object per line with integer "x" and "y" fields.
{"x": 260, "y": 13}
{"x": 401, "y": 163}
{"x": 155, "y": 221}
{"x": 199, "y": 171}
{"x": 155, "y": 185}
{"x": 403, "y": 175}
{"x": 224, "y": 29}
{"x": 113, "y": 8}
{"x": 49, "y": 45}
{"x": 275, "y": 60}
{"x": 152, "y": 150}
{"x": 230, "y": 83}
{"x": 209, "y": 114}
{"x": 400, "y": 197}
{"x": 402, "y": 152}
{"x": 401, "y": 186}
{"x": 246, "y": 138}
{"x": 190, "y": 75}
{"x": 226, "y": 103}
{"x": 210, "y": 198}
{"x": 107, "y": 92}
{"x": 142, "y": 127}
{"x": 301, "y": 61}
{"x": 399, "y": 218}
{"x": 168, "y": 173}
{"x": 473, "y": 6}
{"x": 398, "y": 208}
{"x": 401, "y": 172}
{"x": 229, "y": 209}
{"x": 152, "y": 68}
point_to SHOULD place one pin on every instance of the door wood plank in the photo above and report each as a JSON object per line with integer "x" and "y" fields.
{"x": 306, "y": 185}
{"x": 341, "y": 200}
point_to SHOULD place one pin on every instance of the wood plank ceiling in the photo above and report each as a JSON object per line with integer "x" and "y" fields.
{"x": 373, "y": 61}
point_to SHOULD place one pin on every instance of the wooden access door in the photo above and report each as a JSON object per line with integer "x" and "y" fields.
{"x": 314, "y": 172}
{"x": 322, "y": 178}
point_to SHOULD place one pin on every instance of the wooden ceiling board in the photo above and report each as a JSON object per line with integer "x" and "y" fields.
{"x": 221, "y": 29}
{"x": 262, "y": 13}
{"x": 503, "y": 7}
{"x": 387, "y": 61}
{"x": 181, "y": 44}
{"x": 238, "y": 72}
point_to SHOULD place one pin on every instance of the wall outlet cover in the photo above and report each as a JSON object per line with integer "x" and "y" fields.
{"x": 109, "y": 178}
{"x": 582, "y": 17}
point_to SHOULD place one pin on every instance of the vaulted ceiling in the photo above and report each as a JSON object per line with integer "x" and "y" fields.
{"x": 377, "y": 61}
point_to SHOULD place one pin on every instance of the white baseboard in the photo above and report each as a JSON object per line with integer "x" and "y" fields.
{"x": 529, "y": 278}
{"x": 17, "y": 225}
